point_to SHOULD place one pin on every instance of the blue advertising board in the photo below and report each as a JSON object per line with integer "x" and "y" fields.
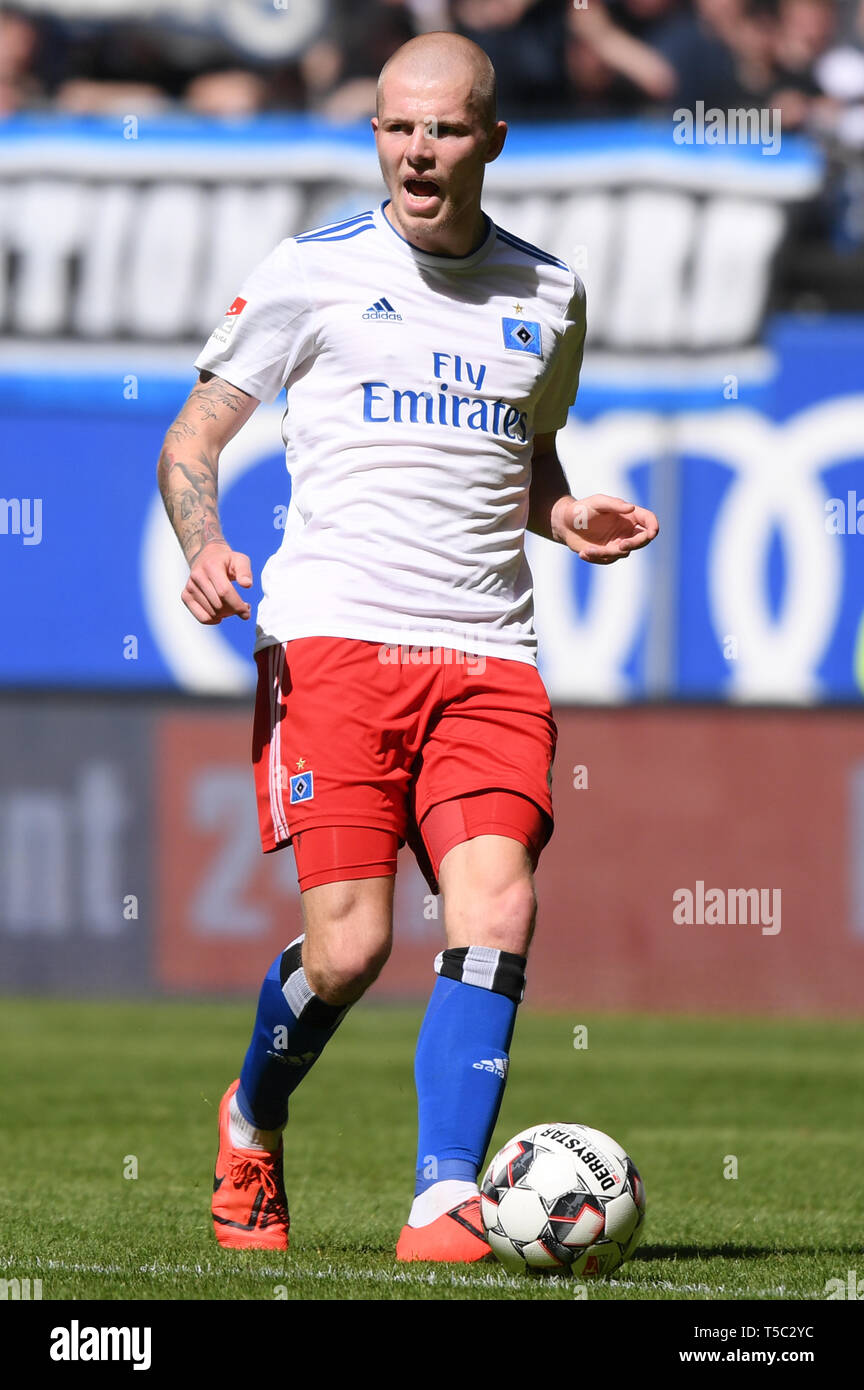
{"x": 754, "y": 590}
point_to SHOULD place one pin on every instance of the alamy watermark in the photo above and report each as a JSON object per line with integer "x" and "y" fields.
{"x": 20, "y": 1290}
{"x": 845, "y": 516}
{"x": 851, "y": 1287}
{"x": 408, "y": 651}
{"x": 736, "y": 126}
{"x": 721, "y": 906}
{"x": 21, "y": 516}
{"x": 77, "y": 1343}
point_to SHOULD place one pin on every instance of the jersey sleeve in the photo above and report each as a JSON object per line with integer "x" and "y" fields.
{"x": 266, "y": 332}
{"x": 562, "y": 382}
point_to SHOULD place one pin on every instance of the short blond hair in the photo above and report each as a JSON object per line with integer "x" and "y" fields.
{"x": 439, "y": 51}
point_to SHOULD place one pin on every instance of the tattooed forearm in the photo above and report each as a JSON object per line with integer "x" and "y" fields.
{"x": 181, "y": 429}
{"x": 215, "y": 393}
{"x": 188, "y": 469}
{"x": 189, "y": 490}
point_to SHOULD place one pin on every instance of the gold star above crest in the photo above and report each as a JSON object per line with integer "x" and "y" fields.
{"x": 517, "y": 308}
{"x": 301, "y": 763}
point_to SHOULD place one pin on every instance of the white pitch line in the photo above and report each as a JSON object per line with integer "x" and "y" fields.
{"x": 497, "y": 1280}
{"x": 489, "y": 1280}
{"x": 715, "y": 1289}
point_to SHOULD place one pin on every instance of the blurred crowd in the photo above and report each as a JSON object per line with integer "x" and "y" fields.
{"x": 556, "y": 59}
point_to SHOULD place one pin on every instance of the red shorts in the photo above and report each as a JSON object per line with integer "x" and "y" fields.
{"x": 356, "y": 752}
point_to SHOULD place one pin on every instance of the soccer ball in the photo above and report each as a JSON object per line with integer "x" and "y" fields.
{"x": 563, "y": 1198}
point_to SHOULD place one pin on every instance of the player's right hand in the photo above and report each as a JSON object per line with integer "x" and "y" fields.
{"x": 209, "y": 594}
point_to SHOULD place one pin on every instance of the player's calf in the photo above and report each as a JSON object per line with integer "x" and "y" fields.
{"x": 304, "y": 998}
{"x": 460, "y": 1070}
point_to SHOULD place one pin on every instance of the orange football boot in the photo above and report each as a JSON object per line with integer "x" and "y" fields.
{"x": 457, "y": 1236}
{"x": 250, "y": 1210}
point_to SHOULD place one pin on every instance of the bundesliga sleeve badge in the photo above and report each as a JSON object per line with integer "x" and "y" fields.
{"x": 226, "y": 327}
{"x": 522, "y": 335}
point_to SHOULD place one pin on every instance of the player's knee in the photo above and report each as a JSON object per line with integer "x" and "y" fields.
{"x": 348, "y": 931}
{"x": 344, "y": 970}
{"x": 347, "y": 940}
{"x": 500, "y": 915}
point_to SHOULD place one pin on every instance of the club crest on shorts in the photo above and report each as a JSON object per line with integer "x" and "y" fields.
{"x": 302, "y": 787}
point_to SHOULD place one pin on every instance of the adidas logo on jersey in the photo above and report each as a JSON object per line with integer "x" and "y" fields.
{"x": 383, "y": 309}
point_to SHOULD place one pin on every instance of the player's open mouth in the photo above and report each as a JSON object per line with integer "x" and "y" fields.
{"x": 421, "y": 191}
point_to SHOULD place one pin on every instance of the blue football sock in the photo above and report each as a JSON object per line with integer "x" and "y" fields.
{"x": 462, "y": 1059}
{"x": 292, "y": 1027}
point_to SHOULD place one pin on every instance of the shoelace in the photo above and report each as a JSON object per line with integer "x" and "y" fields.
{"x": 246, "y": 1171}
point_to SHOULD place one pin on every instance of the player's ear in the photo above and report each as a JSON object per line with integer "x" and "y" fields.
{"x": 496, "y": 141}
{"x": 374, "y": 124}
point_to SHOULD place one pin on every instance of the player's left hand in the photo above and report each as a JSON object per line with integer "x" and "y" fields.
{"x": 603, "y": 529}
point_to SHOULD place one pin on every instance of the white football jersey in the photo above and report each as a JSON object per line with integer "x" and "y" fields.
{"x": 416, "y": 384}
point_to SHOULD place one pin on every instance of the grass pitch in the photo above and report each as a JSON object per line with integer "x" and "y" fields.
{"x": 94, "y": 1093}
